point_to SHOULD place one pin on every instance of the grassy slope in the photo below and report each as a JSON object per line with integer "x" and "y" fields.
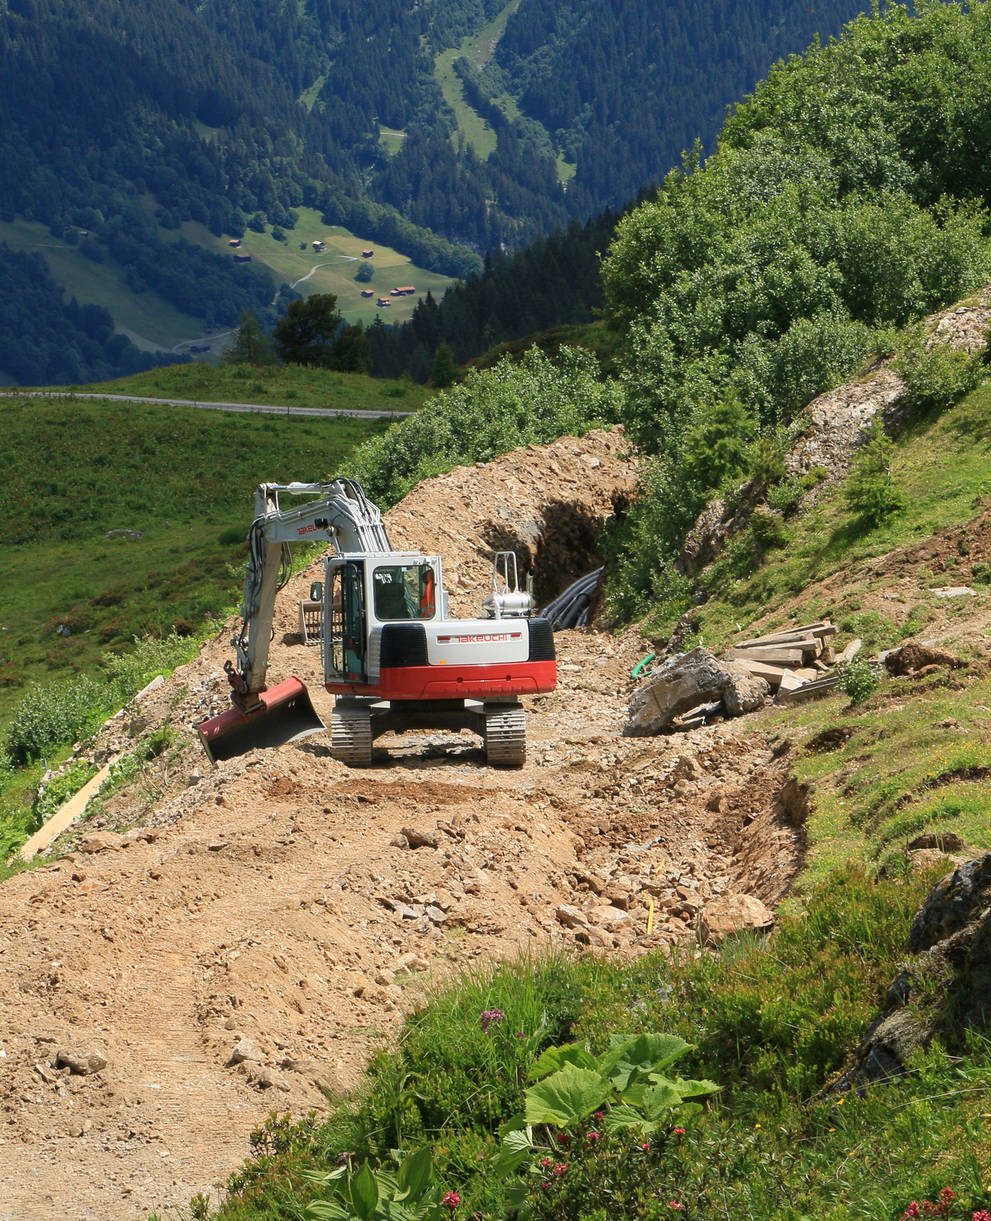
{"x": 151, "y": 323}
{"x": 773, "y": 1022}
{"x": 334, "y": 268}
{"x": 78, "y": 469}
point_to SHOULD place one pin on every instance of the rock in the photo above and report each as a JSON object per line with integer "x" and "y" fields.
{"x": 101, "y": 841}
{"x": 245, "y": 1049}
{"x": 731, "y": 913}
{"x": 952, "y": 904}
{"x": 81, "y": 1062}
{"x": 571, "y": 917}
{"x": 682, "y": 682}
{"x": 795, "y": 798}
{"x": 268, "y": 1079}
{"x": 612, "y": 919}
{"x": 745, "y": 693}
{"x": 421, "y": 839}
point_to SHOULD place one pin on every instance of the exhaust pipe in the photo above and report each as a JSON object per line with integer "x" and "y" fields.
{"x": 284, "y": 713}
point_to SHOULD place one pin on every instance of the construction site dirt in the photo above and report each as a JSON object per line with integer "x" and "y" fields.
{"x": 218, "y": 943}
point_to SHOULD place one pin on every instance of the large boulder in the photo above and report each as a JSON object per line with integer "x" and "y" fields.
{"x": 945, "y": 989}
{"x": 682, "y": 682}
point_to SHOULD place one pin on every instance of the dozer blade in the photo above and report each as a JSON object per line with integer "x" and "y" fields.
{"x": 283, "y": 714}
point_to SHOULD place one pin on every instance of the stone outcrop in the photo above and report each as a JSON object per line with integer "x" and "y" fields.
{"x": 945, "y": 989}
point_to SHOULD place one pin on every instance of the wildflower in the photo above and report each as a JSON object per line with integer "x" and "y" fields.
{"x": 520, "y": 1034}
{"x": 912, "y": 1210}
{"x": 645, "y": 1146}
{"x": 679, "y": 1131}
{"x": 545, "y": 1162}
{"x": 451, "y": 1200}
{"x": 982, "y": 1214}
{"x": 560, "y": 1168}
{"x": 593, "y": 1137}
{"x": 490, "y": 1018}
{"x": 675, "y": 1205}
{"x": 563, "y": 1138}
{"x": 544, "y": 1185}
{"x": 599, "y": 1116}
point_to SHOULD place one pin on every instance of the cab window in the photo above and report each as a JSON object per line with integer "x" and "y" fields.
{"x": 404, "y": 591}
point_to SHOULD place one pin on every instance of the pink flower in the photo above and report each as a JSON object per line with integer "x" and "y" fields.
{"x": 675, "y": 1205}
{"x": 645, "y": 1146}
{"x": 451, "y": 1200}
{"x": 679, "y": 1131}
{"x": 599, "y": 1116}
{"x": 982, "y": 1214}
{"x": 563, "y": 1138}
{"x": 546, "y": 1162}
{"x": 544, "y": 1185}
{"x": 912, "y": 1210}
{"x": 560, "y": 1168}
{"x": 593, "y": 1137}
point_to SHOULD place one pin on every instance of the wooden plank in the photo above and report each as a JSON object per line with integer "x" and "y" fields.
{"x": 774, "y": 652}
{"x": 789, "y": 634}
{"x": 850, "y": 652}
{"x": 808, "y": 690}
{"x": 760, "y": 669}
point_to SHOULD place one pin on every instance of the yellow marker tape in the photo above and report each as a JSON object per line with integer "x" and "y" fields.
{"x": 650, "y": 918}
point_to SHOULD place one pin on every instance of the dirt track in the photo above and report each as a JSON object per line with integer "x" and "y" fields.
{"x": 233, "y": 936}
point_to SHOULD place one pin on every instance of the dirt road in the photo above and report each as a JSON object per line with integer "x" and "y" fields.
{"x": 221, "y": 940}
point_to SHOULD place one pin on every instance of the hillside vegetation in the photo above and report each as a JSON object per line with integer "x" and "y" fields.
{"x": 201, "y": 127}
{"x": 846, "y": 200}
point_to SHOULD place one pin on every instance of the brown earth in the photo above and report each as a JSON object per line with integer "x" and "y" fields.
{"x": 227, "y": 938}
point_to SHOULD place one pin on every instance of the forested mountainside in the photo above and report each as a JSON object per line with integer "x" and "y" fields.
{"x": 121, "y": 123}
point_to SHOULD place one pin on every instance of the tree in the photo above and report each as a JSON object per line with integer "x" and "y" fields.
{"x": 365, "y": 272}
{"x": 870, "y": 490}
{"x": 306, "y": 335}
{"x": 445, "y": 371}
{"x": 251, "y": 345}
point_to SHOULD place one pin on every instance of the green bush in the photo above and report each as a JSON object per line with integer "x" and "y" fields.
{"x": 51, "y": 799}
{"x": 151, "y": 655}
{"x": 870, "y": 491}
{"x": 533, "y": 400}
{"x": 859, "y": 679}
{"x": 53, "y": 716}
{"x": 938, "y": 378}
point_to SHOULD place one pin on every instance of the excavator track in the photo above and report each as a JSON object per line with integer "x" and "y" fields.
{"x": 351, "y": 736}
{"x": 505, "y": 735}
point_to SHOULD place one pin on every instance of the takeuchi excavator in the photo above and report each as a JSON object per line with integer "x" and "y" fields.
{"x": 392, "y": 656}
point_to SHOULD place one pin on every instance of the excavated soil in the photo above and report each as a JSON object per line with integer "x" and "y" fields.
{"x": 219, "y": 942}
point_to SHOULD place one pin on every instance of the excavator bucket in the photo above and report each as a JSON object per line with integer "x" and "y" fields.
{"x": 283, "y": 714}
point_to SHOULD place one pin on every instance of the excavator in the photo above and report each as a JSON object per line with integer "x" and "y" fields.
{"x": 392, "y": 656}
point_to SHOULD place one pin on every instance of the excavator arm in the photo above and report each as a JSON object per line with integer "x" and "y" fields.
{"x": 338, "y": 511}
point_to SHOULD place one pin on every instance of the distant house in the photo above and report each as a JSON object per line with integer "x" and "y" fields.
{"x": 383, "y": 301}
{"x": 318, "y": 246}
{"x": 407, "y": 290}
{"x": 242, "y": 258}
{"x": 368, "y": 292}
{"x": 235, "y": 242}
{"x": 367, "y": 254}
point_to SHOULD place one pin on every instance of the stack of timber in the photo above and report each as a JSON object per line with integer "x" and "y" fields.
{"x": 796, "y": 662}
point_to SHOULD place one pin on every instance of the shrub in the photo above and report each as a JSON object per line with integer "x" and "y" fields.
{"x": 859, "y": 679}
{"x": 870, "y": 489}
{"x": 151, "y": 655}
{"x": 936, "y": 379}
{"x": 53, "y": 716}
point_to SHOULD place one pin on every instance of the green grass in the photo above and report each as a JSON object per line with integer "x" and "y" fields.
{"x": 153, "y": 324}
{"x": 148, "y": 321}
{"x": 76, "y": 470}
{"x": 943, "y": 468}
{"x": 333, "y": 269}
{"x": 281, "y": 385}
